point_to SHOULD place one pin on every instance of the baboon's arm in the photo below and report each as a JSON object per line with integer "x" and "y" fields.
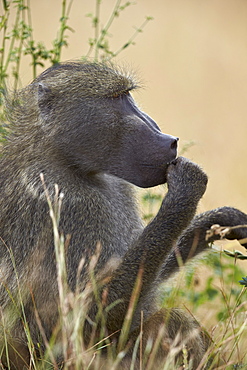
{"x": 195, "y": 239}
{"x": 186, "y": 185}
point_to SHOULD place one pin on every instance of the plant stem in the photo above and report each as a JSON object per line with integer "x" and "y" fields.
{"x": 132, "y": 38}
{"x": 96, "y": 28}
{"x": 104, "y": 31}
{"x": 59, "y": 42}
{"x": 13, "y": 39}
{"x": 34, "y": 64}
{"x": 18, "y": 60}
{"x": 5, "y": 26}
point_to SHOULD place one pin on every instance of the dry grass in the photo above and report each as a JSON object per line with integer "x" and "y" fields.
{"x": 224, "y": 314}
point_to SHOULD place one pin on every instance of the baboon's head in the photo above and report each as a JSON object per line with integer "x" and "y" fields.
{"x": 88, "y": 110}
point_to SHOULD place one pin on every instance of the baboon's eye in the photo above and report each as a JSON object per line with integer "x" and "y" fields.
{"x": 120, "y": 94}
{"x": 116, "y": 95}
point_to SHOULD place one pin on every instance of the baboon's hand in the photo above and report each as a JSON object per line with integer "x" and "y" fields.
{"x": 237, "y": 229}
{"x": 186, "y": 178}
{"x": 226, "y": 222}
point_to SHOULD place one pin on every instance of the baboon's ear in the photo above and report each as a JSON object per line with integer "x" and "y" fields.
{"x": 45, "y": 100}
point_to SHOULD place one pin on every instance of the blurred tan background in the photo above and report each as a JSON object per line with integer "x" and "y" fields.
{"x": 192, "y": 59}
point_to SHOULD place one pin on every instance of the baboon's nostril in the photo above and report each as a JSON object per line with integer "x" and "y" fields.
{"x": 174, "y": 143}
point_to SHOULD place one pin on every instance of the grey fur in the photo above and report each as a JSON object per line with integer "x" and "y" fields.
{"x": 78, "y": 125}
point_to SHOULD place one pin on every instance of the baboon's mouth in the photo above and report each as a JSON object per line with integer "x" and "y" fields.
{"x": 156, "y": 173}
{"x": 156, "y": 166}
{"x": 174, "y": 161}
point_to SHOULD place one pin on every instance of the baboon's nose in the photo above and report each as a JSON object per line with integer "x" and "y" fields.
{"x": 174, "y": 143}
{"x": 174, "y": 146}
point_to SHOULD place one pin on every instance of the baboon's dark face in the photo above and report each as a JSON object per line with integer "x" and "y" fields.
{"x": 100, "y": 130}
{"x": 140, "y": 151}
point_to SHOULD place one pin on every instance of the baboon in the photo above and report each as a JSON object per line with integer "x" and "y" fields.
{"x": 79, "y": 126}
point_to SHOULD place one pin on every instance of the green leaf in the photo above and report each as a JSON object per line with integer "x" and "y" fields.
{"x": 243, "y": 281}
{"x": 236, "y": 254}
